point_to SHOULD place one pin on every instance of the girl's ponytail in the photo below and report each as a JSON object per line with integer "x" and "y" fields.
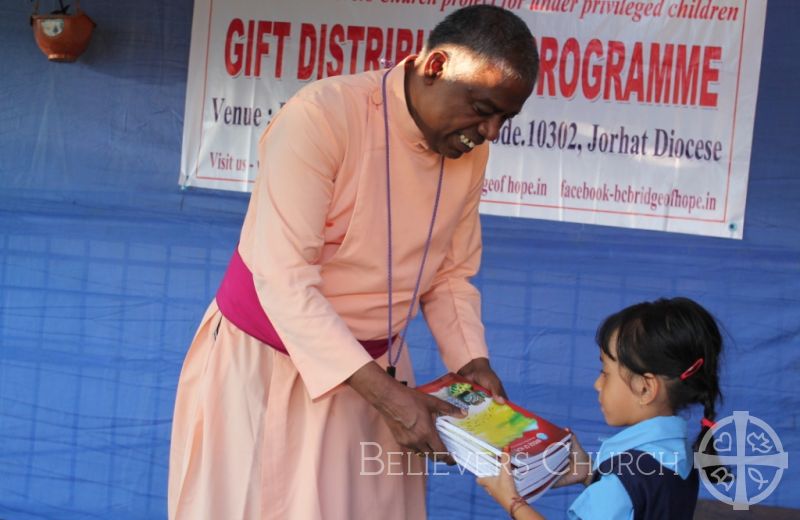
{"x": 713, "y": 473}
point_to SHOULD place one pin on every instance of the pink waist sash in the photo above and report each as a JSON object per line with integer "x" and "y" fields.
{"x": 238, "y": 302}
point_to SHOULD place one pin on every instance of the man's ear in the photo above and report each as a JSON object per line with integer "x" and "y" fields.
{"x": 434, "y": 65}
{"x": 649, "y": 387}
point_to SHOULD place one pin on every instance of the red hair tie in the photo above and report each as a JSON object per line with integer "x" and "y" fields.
{"x": 707, "y": 423}
{"x": 689, "y": 372}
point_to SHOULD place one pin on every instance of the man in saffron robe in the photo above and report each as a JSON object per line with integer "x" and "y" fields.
{"x": 285, "y": 409}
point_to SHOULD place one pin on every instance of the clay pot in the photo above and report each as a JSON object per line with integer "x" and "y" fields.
{"x": 62, "y": 37}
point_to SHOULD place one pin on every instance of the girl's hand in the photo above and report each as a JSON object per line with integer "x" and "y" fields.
{"x": 501, "y": 487}
{"x": 580, "y": 466}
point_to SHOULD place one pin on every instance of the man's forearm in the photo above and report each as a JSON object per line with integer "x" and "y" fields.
{"x": 383, "y": 392}
{"x": 371, "y": 382}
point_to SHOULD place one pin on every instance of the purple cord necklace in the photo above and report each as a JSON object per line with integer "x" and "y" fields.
{"x": 394, "y": 359}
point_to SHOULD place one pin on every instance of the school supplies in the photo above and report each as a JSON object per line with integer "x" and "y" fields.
{"x": 538, "y": 450}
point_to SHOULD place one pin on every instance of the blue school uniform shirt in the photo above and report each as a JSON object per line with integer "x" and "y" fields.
{"x": 664, "y": 438}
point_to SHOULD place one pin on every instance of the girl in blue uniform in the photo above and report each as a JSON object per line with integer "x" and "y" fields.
{"x": 658, "y": 358}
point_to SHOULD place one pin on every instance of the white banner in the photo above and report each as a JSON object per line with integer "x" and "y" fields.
{"x": 642, "y": 115}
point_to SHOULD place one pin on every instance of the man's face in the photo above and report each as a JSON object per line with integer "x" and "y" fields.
{"x": 457, "y": 112}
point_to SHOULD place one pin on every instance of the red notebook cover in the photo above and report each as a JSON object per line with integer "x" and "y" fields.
{"x": 499, "y": 427}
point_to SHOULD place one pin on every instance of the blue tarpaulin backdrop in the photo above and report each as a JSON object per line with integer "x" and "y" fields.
{"x": 106, "y": 268}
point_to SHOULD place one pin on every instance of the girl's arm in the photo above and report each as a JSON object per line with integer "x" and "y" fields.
{"x": 504, "y": 491}
{"x": 502, "y": 488}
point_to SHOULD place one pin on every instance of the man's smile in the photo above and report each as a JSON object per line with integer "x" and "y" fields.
{"x": 466, "y": 141}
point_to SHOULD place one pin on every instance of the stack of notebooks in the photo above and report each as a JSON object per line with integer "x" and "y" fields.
{"x": 539, "y": 450}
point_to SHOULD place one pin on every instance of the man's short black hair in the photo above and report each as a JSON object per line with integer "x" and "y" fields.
{"x": 492, "y": 33}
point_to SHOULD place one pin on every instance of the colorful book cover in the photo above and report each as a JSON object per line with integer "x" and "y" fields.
{"x": 502, "y": 427}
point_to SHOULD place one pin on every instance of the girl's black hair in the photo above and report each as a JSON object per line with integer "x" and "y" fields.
{"x": 666, "y": 337}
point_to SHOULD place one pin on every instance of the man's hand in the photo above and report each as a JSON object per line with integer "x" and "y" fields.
{"x": 479, "y": 372}
{"x": 410, "y": 414}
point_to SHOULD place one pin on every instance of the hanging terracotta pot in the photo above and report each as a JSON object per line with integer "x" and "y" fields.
{"x": 62, "y": 37}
